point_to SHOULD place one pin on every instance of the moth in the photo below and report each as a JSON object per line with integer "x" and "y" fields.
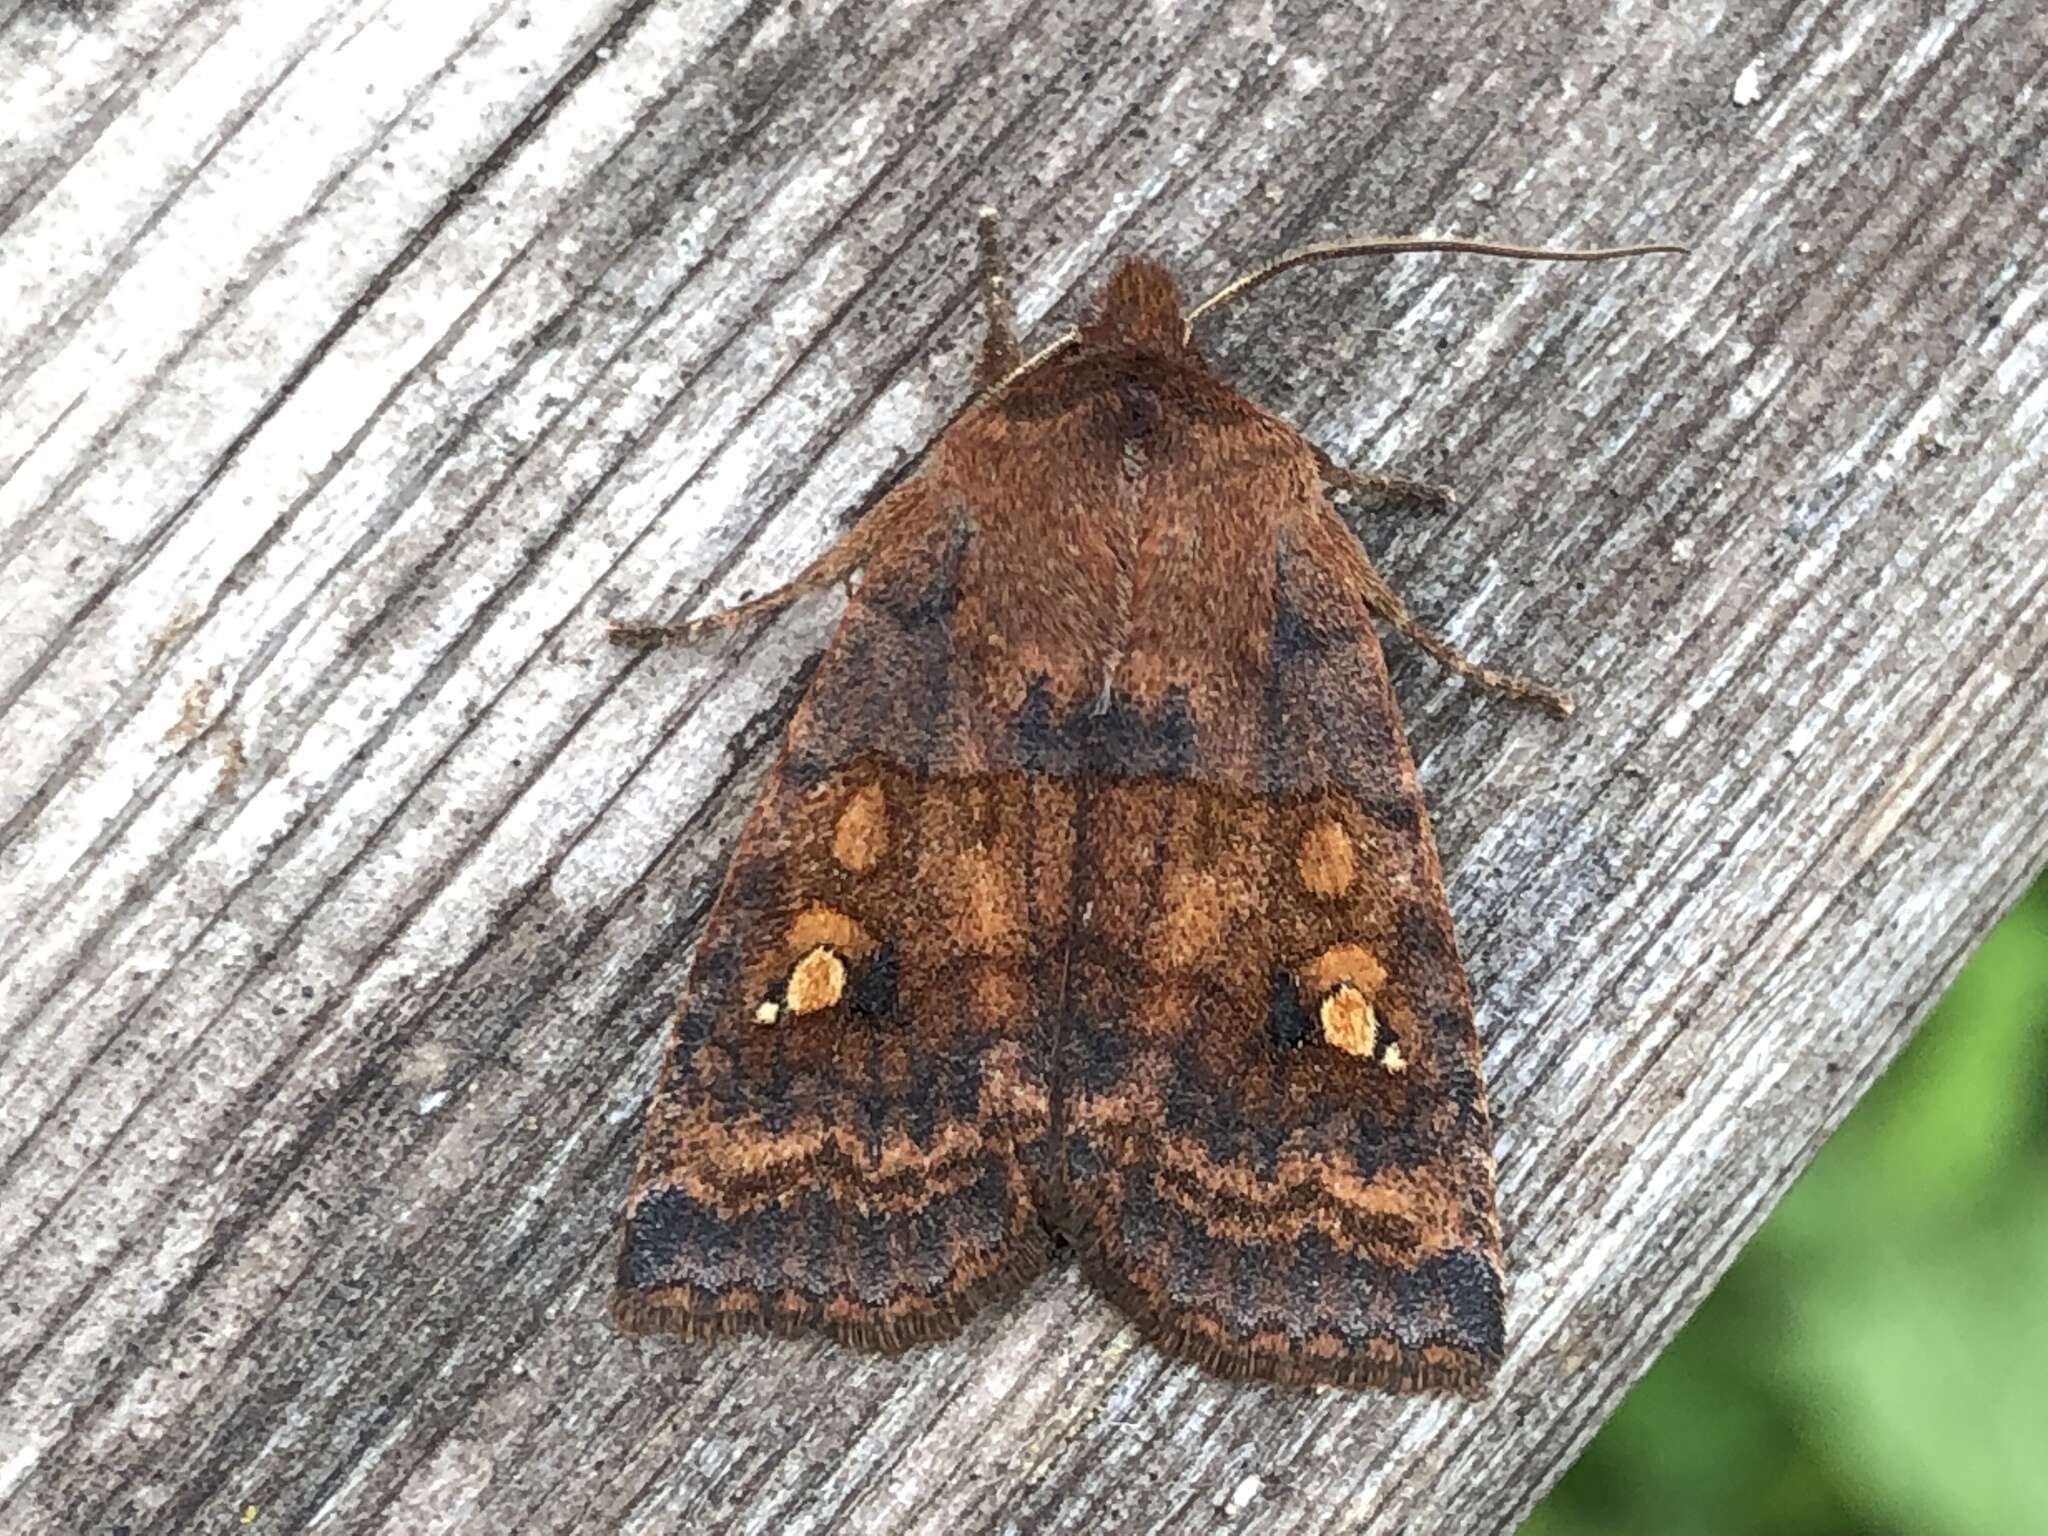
{"x": 1092, "y": 904}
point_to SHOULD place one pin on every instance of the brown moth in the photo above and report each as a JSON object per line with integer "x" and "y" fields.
{"x": 1092, "y": 898}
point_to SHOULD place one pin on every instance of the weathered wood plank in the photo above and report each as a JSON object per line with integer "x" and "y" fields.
{"x": 357, "y": 360}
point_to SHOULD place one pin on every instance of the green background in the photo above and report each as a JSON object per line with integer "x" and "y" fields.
{"x": 1877, "y": 1358}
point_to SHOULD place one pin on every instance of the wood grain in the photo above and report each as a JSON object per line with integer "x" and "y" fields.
{"x": 359, "y": 359}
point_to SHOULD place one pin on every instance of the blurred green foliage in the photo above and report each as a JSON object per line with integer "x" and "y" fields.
{"x": 1877, "y": 1359}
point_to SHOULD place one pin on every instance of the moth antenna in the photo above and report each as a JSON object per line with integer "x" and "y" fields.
{"x": 999, "y": 349}
{"x": 1397, "y": 245}
{"x": 1052, "y": 348}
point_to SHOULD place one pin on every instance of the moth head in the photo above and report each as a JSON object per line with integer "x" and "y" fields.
{"x": 1140, "y": 310}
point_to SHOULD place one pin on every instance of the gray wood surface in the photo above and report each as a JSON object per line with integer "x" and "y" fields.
{"x": 358, "y": 359}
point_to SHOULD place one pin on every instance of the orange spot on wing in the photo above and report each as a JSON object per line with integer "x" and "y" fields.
{"x": 1349, "y": 1022}
{"x": 1193, "y": 911}
{"x": 862, "y": 834}
{"x": 1326, "y": 860}
{"x": 821, "y": 925}
{"x": 983, "y": 898}
{"x": 1346, "y": 962}
{"x": 816, "y": 981}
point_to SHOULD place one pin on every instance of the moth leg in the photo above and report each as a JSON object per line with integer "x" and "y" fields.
{"x": 901, "y": 510}
{"x": 1383, "y": 601}
{"x": 835, "y": 565}
{"x": 1417, "y": 493}
{"x": 1000, "y": 354}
